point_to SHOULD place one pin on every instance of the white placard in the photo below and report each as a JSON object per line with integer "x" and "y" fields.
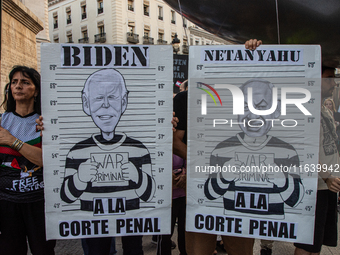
{"x": 107, "y": 148}
{"x": 253, "y": 135}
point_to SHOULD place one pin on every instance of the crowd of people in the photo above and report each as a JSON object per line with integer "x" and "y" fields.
{"x": 22, "y": 218}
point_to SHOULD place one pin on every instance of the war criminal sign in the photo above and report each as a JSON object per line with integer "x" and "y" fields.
{"x": 107, "y": 141}
{"x": 253, "y": 132}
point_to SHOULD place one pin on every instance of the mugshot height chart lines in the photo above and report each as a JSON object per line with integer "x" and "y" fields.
{"x": 107, "y": 140}
{"x": 253, "y": 126}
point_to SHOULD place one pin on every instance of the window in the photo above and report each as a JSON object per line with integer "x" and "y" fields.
{"x": 68, "y": 15}
{"x": 197, "y": 42}
{"x": 56, "y": 38}
{"x": 146, "y": 38}
{"x": 146, "y": 8}
{"x": 84, "y": 34}
{"x": 185, "y": 47}
{"x": 131, "y": 36}
{"x": 173, "y": 17}
{"x": 69, "y": 36}
{"x": 68, "y": 20}
{"x": 161, "y": 37}
{"x": 101, "y": 29}
{"x": 130, "y": 5}
{"x": 172, "y": 36}
{"x": 83, "y": 10}
{"x": 55, "y": 20}
{"x": 184, "y": 22}
{"x": 101, "y": 36}
{"x": 131, "y": 29}
{"x": 160, "y": 12}
{"x": 100, "y": 6}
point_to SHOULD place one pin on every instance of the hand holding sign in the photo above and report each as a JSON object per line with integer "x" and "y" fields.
{"x": 130, "y": 172}
{"x": 87, "y": 171}
{"x": 333, "y": 184}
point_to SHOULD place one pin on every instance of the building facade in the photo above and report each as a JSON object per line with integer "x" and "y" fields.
{"x": 40, "y": 9}
{"x": 18, "y": 39}
{"x": 122, "y": 22}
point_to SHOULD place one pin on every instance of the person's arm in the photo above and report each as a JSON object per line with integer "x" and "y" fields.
{"x": 333, "y": 183}
{"x": 32, "y": 153}
{"x": 180, "y": 109}
{"x": 179, "y": 148}
{"x": 174, "y": 122}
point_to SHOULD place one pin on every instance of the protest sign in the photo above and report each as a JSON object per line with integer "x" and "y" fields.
{"x": 253, "y": 135}
{"x": 107, "y": 141}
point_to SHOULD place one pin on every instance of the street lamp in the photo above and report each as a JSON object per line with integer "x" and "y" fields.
{"x": 175, "y": 44}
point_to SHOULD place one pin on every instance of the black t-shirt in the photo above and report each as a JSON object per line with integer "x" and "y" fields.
{"x": 181, "y": 112}
{"x": 336, "y": 116}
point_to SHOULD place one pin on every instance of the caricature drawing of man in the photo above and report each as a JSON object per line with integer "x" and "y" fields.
{"x": 255, "y": 193}
{"x": 108, "y": 164}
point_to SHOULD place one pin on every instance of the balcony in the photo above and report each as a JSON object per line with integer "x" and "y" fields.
{"x": 160, "y": 41}
{"x": 146, "y": 13}
{"x": 55, "y": 25}
{"x": 83, "y": 15}
{"x": 100, "y": 38}
{"x": 68, "y": 21}
{"x": 100, "y": 10}
{"x": 147, "y": 40}
{"x": 185, "y": 49}
{"x": 132, "y": 38}
{"x": 130, "y": 7}
{"x": 173, "y": 21}
{"x": 160, "y": 17}
{"x": 83, "y": 40}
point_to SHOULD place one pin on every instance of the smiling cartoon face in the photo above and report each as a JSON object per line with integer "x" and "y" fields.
{"x": 105, "y": 99}
{"x": 106, "y": 105}
{"x": 262, "y": 100}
